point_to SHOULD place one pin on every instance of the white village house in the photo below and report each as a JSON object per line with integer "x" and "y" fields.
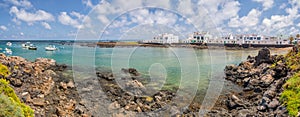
{"x": 244, "y": 39}
{"x": 255, "y": 39}
{"x": 205, "y": 37}
{"x": 198, "y": 37}
{"x": 164, "y": 38}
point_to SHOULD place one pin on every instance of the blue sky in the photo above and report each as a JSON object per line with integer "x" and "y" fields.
{"x": 142, "y": 19}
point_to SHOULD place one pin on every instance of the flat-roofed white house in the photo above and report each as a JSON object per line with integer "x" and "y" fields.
{"x": 206, "y": 38}
{"x": 254, "y": 39}
{"x": 164, "y": 38}
{"x": 198, "y": 37}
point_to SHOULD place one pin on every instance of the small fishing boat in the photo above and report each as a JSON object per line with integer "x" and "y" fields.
{"x": 8, "y": 43}
{"x": 32, "y": 47}
{"x": 26, "y": 45}
{"x": 50, "y": 48}
{"x": 8, "y": 51}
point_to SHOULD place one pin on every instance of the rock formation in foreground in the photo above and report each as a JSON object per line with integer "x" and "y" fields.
{"x": 262, "y": 78}
{"x": 44, "y": 86}
{"x": 40, "y": 85}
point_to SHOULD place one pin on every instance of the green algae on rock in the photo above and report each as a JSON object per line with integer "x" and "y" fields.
{"x": 10, "y": 104}
{"x": 4, "y": 70}
{"x": 291, "y": 94}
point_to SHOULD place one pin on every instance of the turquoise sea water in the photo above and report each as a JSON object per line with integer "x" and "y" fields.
{"x": 185, "y": 68}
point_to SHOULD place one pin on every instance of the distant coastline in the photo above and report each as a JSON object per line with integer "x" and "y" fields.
{"x": 181, "y": 45}
{"x": 116, "y": 43}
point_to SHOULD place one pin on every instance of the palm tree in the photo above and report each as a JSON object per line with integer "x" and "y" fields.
{"x": 292, "y": 39}
{"x": 298, "y": 36}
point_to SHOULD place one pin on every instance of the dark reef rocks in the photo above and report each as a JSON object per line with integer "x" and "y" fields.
{"x": 128, "y": 94}
{"x": 261, "y": 79}
{"x": 40, "y": 85}
{"x": 264, "y": 56}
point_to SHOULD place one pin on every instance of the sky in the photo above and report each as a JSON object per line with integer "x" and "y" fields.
{"x": 143, "y": 19}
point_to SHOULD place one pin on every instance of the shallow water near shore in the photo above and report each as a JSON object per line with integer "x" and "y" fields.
{"x": 169, "y": 68}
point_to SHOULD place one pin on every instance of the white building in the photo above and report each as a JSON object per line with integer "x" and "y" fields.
{"x": 206, "y": 38}
{"x": 164, "y": 38}
{"x": 198, "y": 37}
{"x": 253, "y": 39}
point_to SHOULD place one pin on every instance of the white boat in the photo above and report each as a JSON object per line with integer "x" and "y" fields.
{"x": 50, "y": 48}
{"x": 8, "y": 51}
{"x": 32, "y": 47}
{"x": 26, "y": 45}
{"x": 8, "y": 43}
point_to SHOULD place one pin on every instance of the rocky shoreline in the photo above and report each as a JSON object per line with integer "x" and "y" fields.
{"x": 39, "y": 84}
{"x": 44, "y": 86}
{"x": 262, "y": 82}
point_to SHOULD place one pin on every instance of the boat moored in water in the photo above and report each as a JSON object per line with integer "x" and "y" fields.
{"x": 50, "y": 48}
{"x": 7, "y": 51}
{"x": 9, "y": 44}
{"x": 32, "y": 47}
{"x": 26, "y": 45}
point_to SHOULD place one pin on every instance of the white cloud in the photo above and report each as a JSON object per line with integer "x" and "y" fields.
{"x": 4, "y": 28}
{"x": 78, "y": 15}
{"x": 158, "y": 3}
{"x": 267, "y": 4}
{"x": 278, "y": 22}
{"x": 267, "y": 22}
{"x": 103, "y": 19}
{"x": 298, "y": 24}
{"x": 21, "y": 3}
{"x": 125, "y": 5}
{"x": 234, "y": 22}
{"x": 18, "y": 22}
{"x": 282, "y": 23}
{"x": 21, "y": 33}
{"x": 293, "y": 30}
{"x": 88, "y": 3}
{"x": 282, "y": 6}
{"x": 185, "y": 7}
{"x": 143, "y": 16}
{"x": 46, "y": 25}
{"x": 120, "y": 6}
{"x": 294, "y": 3}
{"x": 137, "y": 20}
{"x": 293, "y": 12}
{"x": 212, "y": 15}
{"x": 121, "y": 23}
{"x": 211, "y": 5}
{"x": 30, "y": 18}
{"x": 229, "y": 10}
{"x": 105, "y": 8}
{"x": 252, "y": 19}
{"x": 66, "y": 19}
